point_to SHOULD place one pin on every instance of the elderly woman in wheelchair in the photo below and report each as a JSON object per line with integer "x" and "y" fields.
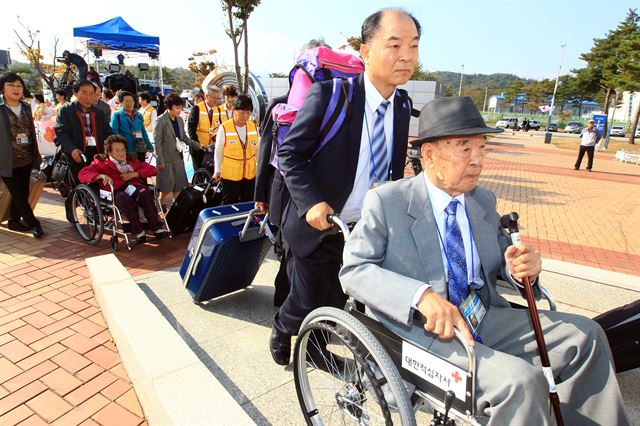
{"x": 122, "y": 180}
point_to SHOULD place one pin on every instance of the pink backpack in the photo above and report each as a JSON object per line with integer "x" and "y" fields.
{"x": 314, "y": 65}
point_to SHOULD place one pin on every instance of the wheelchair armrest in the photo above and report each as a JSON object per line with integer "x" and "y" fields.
{"x": 539, "y": 292}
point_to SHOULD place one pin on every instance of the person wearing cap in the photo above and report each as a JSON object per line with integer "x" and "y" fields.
{"x": 589, "y": 137}
{"x": 433, "y": 244}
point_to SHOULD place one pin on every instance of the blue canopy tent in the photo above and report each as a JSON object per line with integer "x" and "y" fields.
{"x": 117, "y": 34}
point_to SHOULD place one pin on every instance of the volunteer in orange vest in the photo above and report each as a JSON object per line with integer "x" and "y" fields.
{"x": 147, "y": 110}
{"x": 236, "y": 153}
{"x": 203, "y": 124}
{"x": 230, "y": 94}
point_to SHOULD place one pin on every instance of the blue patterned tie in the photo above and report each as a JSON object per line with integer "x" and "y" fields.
{"x": 457, "y": 260}
{"x": 379, "y": 148}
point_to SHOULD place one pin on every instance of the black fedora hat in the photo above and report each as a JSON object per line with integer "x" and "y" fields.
{"x": 452, "y": 116}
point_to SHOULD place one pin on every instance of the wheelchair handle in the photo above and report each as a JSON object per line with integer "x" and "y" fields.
{"x": 335, "y": 220}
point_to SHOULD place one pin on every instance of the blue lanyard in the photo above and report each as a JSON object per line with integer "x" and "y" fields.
{"x": 444, "y": 248}
{"x": 371, "y": 157}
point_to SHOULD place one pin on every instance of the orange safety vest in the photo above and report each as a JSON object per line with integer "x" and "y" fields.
{"x": 223, "y": 110}
{"x": 146, "y": 114}
{"x": 204, "y": 137}
{"x": 239, "y": 161}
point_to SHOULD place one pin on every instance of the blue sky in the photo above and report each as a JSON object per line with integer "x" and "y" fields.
{"x": 521, "y": 37}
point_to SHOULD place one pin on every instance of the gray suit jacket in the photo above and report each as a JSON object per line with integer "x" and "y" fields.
{"x": 164, "y": 138}
{"x": 394, "y": 248}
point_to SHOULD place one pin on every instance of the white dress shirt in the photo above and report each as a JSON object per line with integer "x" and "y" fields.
{"x": 353, "y": 206}
{"x": 439, "y": 202}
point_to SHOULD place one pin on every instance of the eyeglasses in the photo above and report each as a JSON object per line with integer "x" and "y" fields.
{"x": 17, "y": 85}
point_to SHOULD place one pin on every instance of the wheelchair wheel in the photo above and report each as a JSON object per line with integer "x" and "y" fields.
{"x": 87, "y": 215}
{"x": 201, "y": 176}
{"x": 344, "y": 376}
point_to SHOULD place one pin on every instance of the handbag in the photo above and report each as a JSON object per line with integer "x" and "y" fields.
{"x": 60, "y": 170}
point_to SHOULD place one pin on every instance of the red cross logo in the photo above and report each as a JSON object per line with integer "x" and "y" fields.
{"x": 456, "y": 376}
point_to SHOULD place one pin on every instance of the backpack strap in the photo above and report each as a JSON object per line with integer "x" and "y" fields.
{"x": 338, "y": 110}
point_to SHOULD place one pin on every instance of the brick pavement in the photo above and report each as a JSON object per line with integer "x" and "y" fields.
{"x": 59, "y": 364}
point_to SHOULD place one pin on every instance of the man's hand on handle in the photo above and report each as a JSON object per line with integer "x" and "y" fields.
{"x": 442, "y": 317}
{"x": 317, "y": 216}
{"x": 76, "y": 154}
{"x": 523, "y": 261}
{"x": 263, "y": 206}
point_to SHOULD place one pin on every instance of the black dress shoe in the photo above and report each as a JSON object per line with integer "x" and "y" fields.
{"x": 280, "y": 347}
{"x": 16, "y": 225}
{"x": 37, "y": 231}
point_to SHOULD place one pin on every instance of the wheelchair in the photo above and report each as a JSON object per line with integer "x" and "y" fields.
{"x": 351, "y": 369}
{"x": 93, "y": 210}
{"x": 203, "y": 175}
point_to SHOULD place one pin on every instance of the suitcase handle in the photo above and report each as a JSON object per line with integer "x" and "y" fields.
{"x": 260, "y": 231}
{"x": 196, "y": 263}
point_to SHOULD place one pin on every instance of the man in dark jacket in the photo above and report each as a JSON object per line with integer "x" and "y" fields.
{"x": 81, "y": 128}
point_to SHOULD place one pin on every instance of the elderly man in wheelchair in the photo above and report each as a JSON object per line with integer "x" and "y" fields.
{"x": 123, "y": 189}
{"x": 431, "y": 247}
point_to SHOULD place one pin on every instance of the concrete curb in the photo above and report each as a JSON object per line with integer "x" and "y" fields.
{"x": 614, "y": 279}
{"x": 172, "y": 384}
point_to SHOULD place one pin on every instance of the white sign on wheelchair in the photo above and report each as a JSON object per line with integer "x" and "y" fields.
{"x": 105, "y": 195}
{"x": 434, "y": 370}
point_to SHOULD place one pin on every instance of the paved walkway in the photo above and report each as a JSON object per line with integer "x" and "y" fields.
{"x": 58, "y": 363}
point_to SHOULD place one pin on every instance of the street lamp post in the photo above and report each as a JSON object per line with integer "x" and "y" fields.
{"x": 461, "y": 75}
{"x": 547, "y": 135}
{"x": 484, "y": 106}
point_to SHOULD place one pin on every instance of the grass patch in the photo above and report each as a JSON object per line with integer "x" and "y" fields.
{"x": 615, "y": 144}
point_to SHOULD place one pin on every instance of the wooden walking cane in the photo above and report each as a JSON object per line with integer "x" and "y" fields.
{"x": 510, "y": 221}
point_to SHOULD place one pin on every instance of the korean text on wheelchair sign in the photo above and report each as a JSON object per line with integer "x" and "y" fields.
{"x": 434, "y": 370}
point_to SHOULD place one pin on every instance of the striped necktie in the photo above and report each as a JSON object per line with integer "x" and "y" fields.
{"x": 378, "y": 172}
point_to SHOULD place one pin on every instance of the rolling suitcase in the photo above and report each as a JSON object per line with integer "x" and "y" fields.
{"x": 622, "y": 327}
{"x": 184, "y": 212}
{"x": 226, "y": 250}
{"x": 36, "y": 185}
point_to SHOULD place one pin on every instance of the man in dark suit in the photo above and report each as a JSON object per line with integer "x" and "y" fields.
{"x": 368, "y": 149}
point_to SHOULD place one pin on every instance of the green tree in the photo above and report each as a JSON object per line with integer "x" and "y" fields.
{"x": 629, "y": 76}
{"x": 512, "y": 93}
{"x": 30, "y": 76}
{"x": 278, "y": 75}
{"x": 422, "y": 74}
{"x": 238, "y": 13}
{"x": 610, "y": 60}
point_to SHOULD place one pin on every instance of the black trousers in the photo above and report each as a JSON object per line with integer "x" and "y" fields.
{"x": 128, "y": 206}
{"x": 589, "y": 150}
{"x": 18, "y": 186}
{"x": 237, "y": 191}
{"x": 196, "y": 157}
{"x": 314, "y": 283}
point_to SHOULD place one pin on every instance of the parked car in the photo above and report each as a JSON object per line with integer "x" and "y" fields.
{"x": 573, "y": 127}
{"x": 534, "y": 125}
{"x": 507, "y": 123}
{"x": 637, "y": 135}
{"x": 552, "y": 127}
{"x": 617, "y": 131}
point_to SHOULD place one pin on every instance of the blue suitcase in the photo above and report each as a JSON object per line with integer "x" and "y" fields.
{"x": 227, "y": 247}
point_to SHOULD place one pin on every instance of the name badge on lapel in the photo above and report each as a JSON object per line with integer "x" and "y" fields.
{"x": 473, "y": 311}
{"x": 22, "y": 138}
{"x": 137, "y": 135}
{"x": 91, "y": 141}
